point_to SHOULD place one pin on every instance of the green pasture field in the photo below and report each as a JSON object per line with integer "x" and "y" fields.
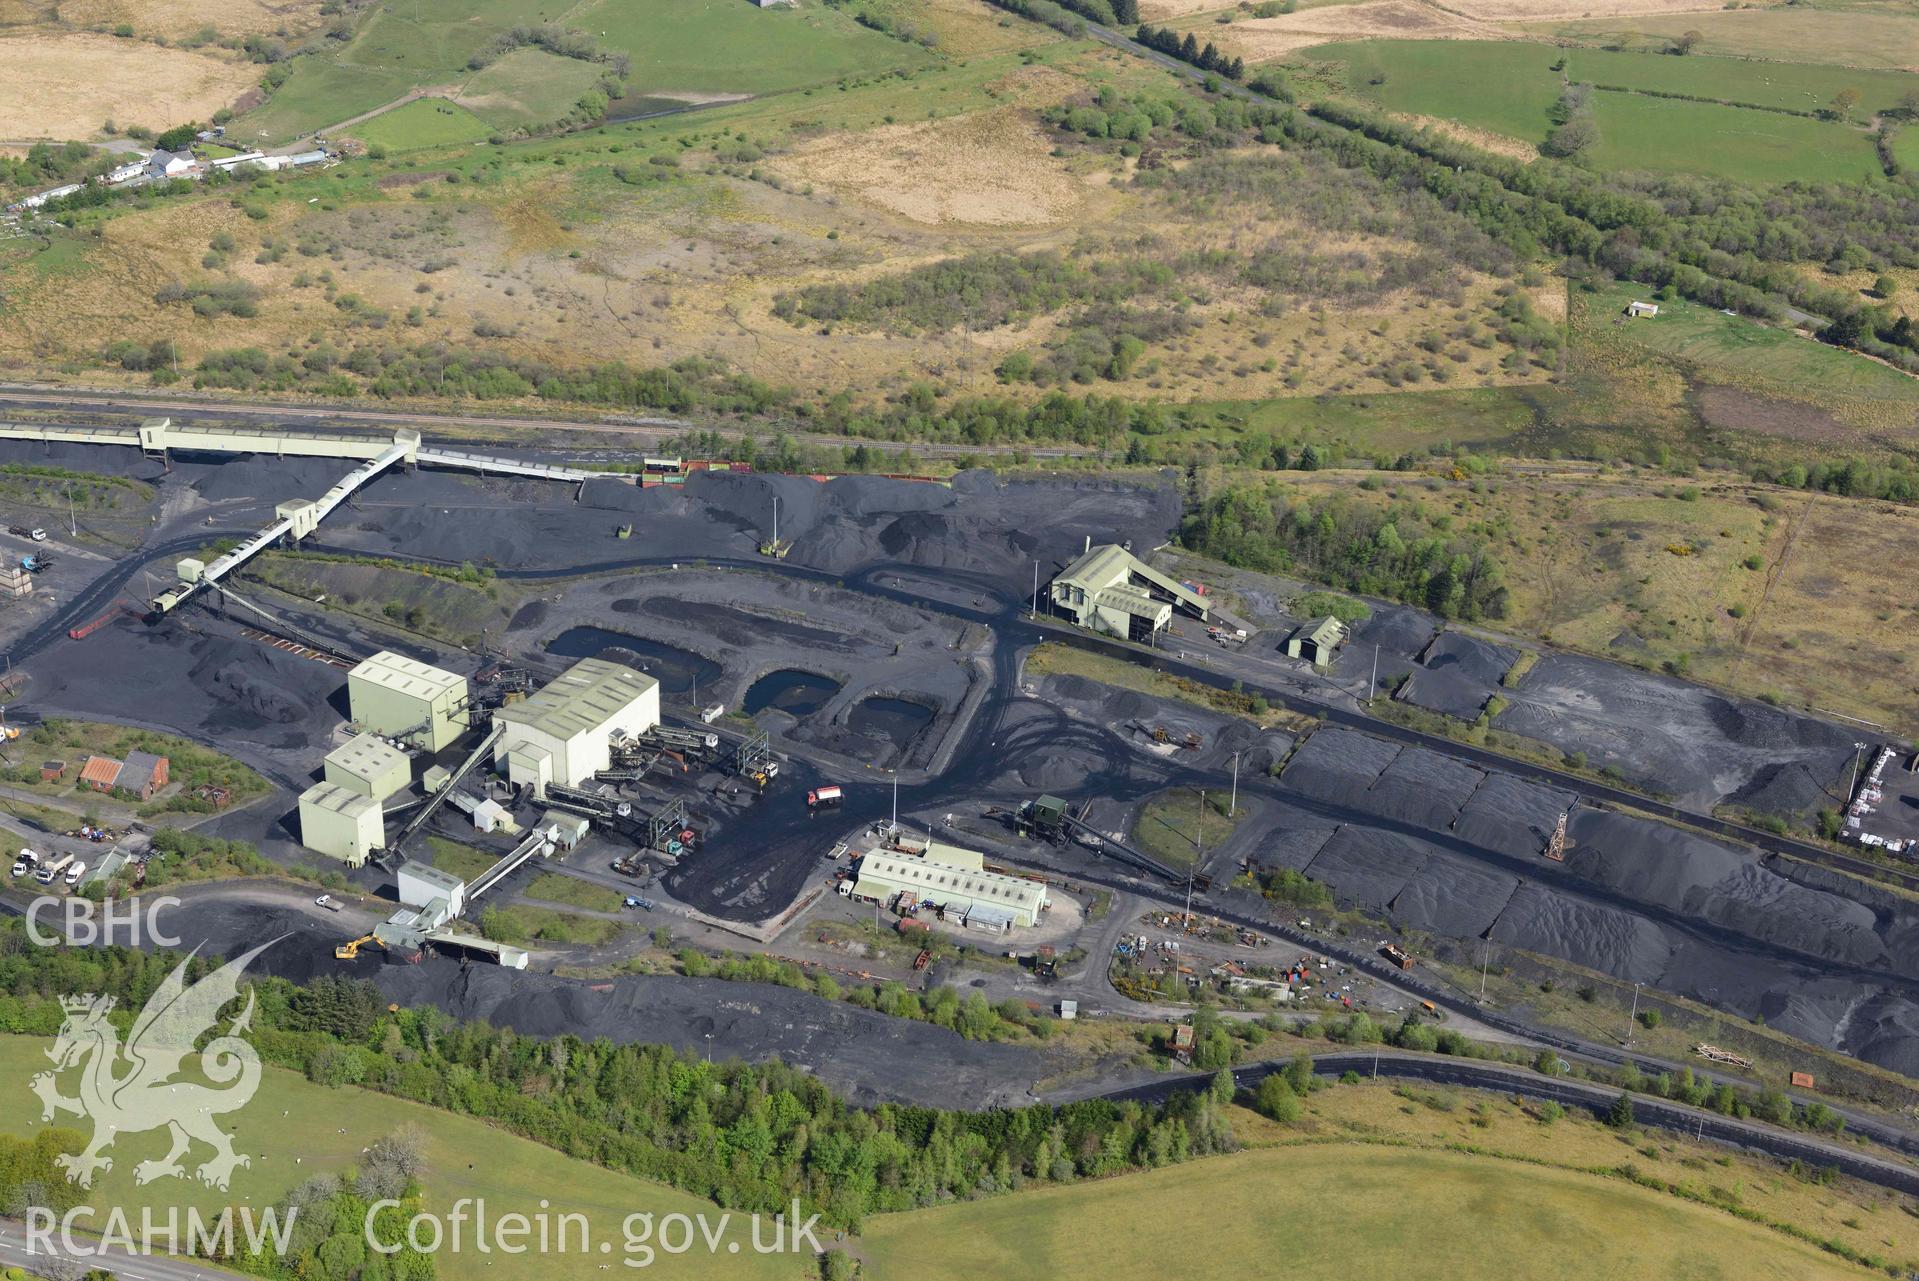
{"x": 294, "y": 1130}
{"x": 528, "y": 88}
{"x": 729, "y": 46}
{"x": 1505, "y": 87}
{"x": 424, "y": 122}
{"x": 1510, "y": 88}
{"x": 1761, "y": 147}
{"x": 1784, "y": 85}
{"x": 1733, "y": 350}
{"x": 1859, "y": 38}
{"x": 685, "y": 46}
{"x": 1334, "y": 1212}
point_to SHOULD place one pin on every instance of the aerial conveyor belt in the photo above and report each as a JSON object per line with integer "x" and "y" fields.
{"x": 460, "y": 458}
{"x": 1124, "y": 852}
{"x": 295, "y": 523}
{"x": 452, "y": 785}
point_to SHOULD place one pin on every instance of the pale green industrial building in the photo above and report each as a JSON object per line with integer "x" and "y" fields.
{"x": 341, "y": 823}
{"x": 1318, "y": 643}
{"x": 1110, "y": 590}
{"x": 563, "y": 733}
{"x": 369, "y": 765}
{"x": 404, "y": 698}
{"x": 955, "y": 880}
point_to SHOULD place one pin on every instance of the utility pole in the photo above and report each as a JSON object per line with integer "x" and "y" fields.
{"x": 776, "y": 524}
{"x": 1035, "y": 615}
{"x": 896, "y": 800}
{"x": 73, "y": 526}
{"x": 1372, "y": 683}
{"x": 1858, "y": 750}
{"x": 1485, "y": 958}
{"x": 1233, "y": 808}
{"x": 1199, "y": 854}
{"x": 1632, "y": 1017}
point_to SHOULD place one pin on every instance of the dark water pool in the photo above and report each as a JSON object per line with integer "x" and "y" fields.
{"x": 677, "y": 670}
{"x": 792, "y": 691}
{"x": 892, "y": 718}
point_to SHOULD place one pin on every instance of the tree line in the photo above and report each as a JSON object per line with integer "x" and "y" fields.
{"x": 750, "y": 1137}
{"x": 1188, "y": 50}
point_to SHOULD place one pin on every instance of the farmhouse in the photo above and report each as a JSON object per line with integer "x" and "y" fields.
{"x": 169, "y": 164}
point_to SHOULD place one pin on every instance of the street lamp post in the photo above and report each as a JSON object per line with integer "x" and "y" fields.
{"x": 1232, "y": 808}
{"x": 1858, "y": 752}
{"x": 1634, "y": 1016}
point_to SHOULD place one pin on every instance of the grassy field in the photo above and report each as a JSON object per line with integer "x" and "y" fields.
{"x": 1765, "y": 591}
{"x": 552, "y": 887}
{"x": 1840, "y": 35}
{"x": 681, "y": 46}
{"x": 1784, "y": 85}
{"x": 717, "y": 46}
{"x": 424, "y": 122}
{"x": 1855, "y": 395}
{"x": 1174, "y": 828}
{"x": 523, "y": 923}
{"x": 1335, "y": 1212}
{"x": 1638, "y": 132}
{"x": 294, "y": 1130}
{"x": 1508, "y": 88}
{"x": 527, "y": 88}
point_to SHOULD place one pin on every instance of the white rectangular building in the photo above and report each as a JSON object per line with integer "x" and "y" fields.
{"x": 341, "y": 823}
{"x": 564, "y": 732}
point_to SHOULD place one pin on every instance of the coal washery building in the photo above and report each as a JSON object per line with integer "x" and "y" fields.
{"x": 404, "y": 698}
{"x": 564, "y": 732}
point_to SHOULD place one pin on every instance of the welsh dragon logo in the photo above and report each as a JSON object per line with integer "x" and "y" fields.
{"x": 130, "y": 1088}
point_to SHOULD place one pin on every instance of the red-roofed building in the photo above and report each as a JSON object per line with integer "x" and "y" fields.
{"x": 100, "y": 773}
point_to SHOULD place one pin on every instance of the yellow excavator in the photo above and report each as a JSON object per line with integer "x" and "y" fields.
{"x": 350, "y": 951}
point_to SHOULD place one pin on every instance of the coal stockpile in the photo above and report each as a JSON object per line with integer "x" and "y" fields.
{"x": 1421, "y": 786}
{"x": 1446, "y": 692}
{"x": 212, "y": 687}
{"x": 1469, "y": 658}
{"x": 1339, "y": 765}
{"x": 1454, "y": 896}
{"x": 1511, "y": 815}
{"x": 1672, "y": 738}
{"x": 1704, "y": 879}
{"x": 1368, "y": 866}
{"x": 867, "y": 1056}
{"x": 1541, "y": 919}
{"x": 1399, "y": 635}
{"x": 1293, "y": 839}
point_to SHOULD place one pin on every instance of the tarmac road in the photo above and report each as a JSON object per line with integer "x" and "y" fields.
{"x": 1597, "y": 1099}
{"x": 16, "y": 1251}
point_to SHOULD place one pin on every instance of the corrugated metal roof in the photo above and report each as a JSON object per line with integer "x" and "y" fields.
{"x": 100, "y": 771}
{"x": 140, "y": 769}
{"x": 936, "y": 879}
{"x": 584, "y": 697}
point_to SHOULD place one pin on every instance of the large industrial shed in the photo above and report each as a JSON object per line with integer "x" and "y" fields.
{"x": 564, "y": 732}
{"x": 1110, "y": 590}
{"x": 369, "y": 765}
{"x": 341, "y": 823}
{"x": 402, "y": 697}
{"x": 955, "y": 880}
